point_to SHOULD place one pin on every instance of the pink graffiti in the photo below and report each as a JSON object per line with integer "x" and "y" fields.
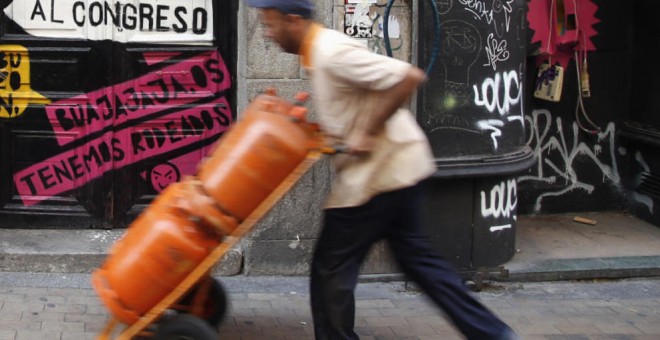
{"x": 92, "y": 160}
{"x": 184, "y": 83}
{"x": 153, "y": 58}
{"x": 164, "y": 174}
{"x": 558, "y": 45}
{"x": 185, "y": 165}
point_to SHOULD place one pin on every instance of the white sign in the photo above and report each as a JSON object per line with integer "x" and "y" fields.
{"x": 128, "y": 21}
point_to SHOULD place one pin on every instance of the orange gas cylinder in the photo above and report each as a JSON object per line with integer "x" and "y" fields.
{"x": 162, "y": 246}
{"x": 188, "y": 220}
{"x": 255, "y": 156}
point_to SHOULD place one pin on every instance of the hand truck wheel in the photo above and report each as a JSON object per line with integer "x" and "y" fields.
{"x": 215, "y": 305}
{"x": 185, "y": 327}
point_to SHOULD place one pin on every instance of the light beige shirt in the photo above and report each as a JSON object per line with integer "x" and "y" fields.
{"x": 346, "y": 79}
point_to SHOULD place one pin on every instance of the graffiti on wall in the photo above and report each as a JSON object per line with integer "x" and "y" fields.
{"x": 184, "y": 83}
{"x": 128, "y": 123}
{"x": 497, "y": 14}
{"x": 461, "y": 46}
{"x": 558, "y": 150}
{"x": 152, "y": 125}
{"x": 498, "y": 96}
{"x": 147, "y": 21}
{"x": 568, "y": 160}
{"x": 162, "y": 175}
{"x": 481, "y": 66}
{"x": 496, "y": 50}
{"x": 500, "y": 204}
{"x": 15, "y": 90}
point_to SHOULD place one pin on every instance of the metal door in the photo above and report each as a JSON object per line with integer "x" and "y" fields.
{"x": 103, "y": 103}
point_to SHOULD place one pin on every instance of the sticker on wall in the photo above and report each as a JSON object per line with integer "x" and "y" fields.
{"x": 549, "y": 82}
{"x": 357, "y": 21}
{"x": 393, "y": 28}
{"x": 137, "y": 21}
{"x": 15, "y": 90}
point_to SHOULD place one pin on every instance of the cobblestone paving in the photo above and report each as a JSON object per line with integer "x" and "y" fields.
{"x": 279, "y": 309}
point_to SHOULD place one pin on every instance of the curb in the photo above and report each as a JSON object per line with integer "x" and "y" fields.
{"x": 585, "y": 269}
{"x": 74, "y": 251}
{"x": 82, "y": 251}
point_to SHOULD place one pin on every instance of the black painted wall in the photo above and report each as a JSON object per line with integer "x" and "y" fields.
{"x": 576, "y": 170}
{"x": 572, "y": 170}
{"x": 641, "y": 127}
{"x": 612, "y": 165}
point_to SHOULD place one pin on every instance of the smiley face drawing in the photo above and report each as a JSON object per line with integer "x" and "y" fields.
{"x": 163, "y": 175}
{"x": 16, "y": 92}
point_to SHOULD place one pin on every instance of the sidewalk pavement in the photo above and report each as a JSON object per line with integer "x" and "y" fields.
{"x": 61, "y": 305}
{"x": 64, "y": 307}
{"x": 555, "y": 247}
{"x": 549, "y": 247}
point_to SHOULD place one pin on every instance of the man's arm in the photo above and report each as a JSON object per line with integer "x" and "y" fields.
{"x": 360, "y": 142}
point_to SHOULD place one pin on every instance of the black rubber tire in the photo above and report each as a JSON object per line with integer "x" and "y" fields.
{"x": 215, "y": 307}
{"x": 185, "y": 327}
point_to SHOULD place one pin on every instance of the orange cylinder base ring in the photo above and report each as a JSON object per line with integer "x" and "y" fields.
{"x": 111, "y": 300}
{"x": 158, "y": 251}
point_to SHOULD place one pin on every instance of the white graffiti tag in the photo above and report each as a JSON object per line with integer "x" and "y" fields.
{"x": 496, "y": 51}
{"x": 503, "y": 200}
{"x": 499, "y": 93}
{"x": 493, "y": 125}
{"x": 481, "y": 10}
{"x": 556, "y": 157}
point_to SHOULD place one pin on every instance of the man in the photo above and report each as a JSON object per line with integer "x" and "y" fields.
{"x": 376, "y": 192}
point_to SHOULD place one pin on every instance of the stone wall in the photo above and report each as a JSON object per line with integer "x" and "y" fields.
{"x": 282, "y": 243}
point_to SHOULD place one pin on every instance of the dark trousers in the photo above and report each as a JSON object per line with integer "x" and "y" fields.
{"x": 345, "y": 239}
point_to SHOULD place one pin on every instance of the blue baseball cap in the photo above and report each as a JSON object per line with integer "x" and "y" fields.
{"x": 304, "y": 8}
